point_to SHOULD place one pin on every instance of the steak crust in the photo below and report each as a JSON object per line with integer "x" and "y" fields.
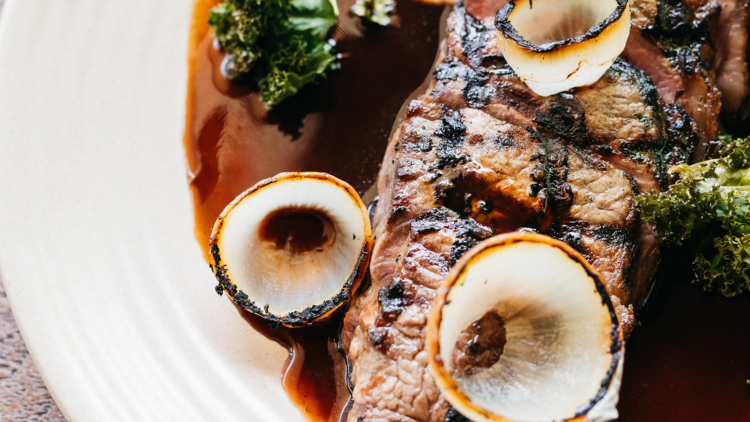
{"x": 480, "y": 154}
{"x": 730, "y": 60}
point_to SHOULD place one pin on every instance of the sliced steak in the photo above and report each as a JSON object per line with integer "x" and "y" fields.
{"x": 620, "y": 119}
{"x": 480, "y": 154}
{"x": 730, "y": 61}
{"x": 456, "y": 177}
{"x": 670, "y": 41}
{"x": 694, "y": 50}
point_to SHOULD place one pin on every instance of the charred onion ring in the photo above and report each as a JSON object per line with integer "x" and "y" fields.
{"x": 557, "y": 45}
{"x": 523, "y": 330}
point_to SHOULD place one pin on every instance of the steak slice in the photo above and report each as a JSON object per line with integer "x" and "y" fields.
{"x": 390, "y": 374}
{"x": 730, "y": 61}
{"x": 620, "y": 120}
{"x": 456, "y": 177}
{"x": 480, "y": 154}
{"x": 671, "y": 42}
{"x": 693, "y": 50}
{"x": 621, "y": 117}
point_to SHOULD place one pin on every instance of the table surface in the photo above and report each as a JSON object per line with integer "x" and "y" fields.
{"x": 23, "y": 396}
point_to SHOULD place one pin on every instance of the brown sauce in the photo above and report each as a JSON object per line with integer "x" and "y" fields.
{"x": 314, "y": 375}
{"x": 689, "y": 361}
{"x": 690, "y": 358}
{"x": 340, "y": 126}
{"x": 298, "y": 230}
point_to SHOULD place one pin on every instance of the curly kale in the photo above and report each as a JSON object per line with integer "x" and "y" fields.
{"x": 280, "y": 45}
{"x": 375, "y": 11}
{"x": 709, "y": 203}
{"x": 728, "y": 270}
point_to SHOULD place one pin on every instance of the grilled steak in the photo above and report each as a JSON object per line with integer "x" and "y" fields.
{"x": 694, "y": 51}
{"x": 730, "y": 60}
{"x": 480, "y": 154}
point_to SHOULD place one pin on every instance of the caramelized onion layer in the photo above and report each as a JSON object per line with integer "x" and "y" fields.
{"x": 523, "y": 330}
{"x": 556, "y": 45}
{"x": 293, "y": 248}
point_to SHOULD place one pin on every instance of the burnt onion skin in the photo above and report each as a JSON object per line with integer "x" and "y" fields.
{"x": 313, "y": 314}
{"x": 449, "y": 386}
{"x": 579, "y": 60}
{"x": 502, "y": 23}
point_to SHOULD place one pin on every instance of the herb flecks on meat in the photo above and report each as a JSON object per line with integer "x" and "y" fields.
{"x": 278, "y": 45}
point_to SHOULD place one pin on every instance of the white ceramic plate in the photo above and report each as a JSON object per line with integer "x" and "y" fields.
{"x": 107, "y": 283}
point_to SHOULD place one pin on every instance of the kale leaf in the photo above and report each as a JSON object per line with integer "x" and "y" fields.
{"x": 280, "y": 45}
{"x": 375, "y": 11}
{"x": 709, "y": 204}
{"x": 729, "y": 269}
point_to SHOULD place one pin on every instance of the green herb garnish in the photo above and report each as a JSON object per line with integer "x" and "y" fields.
{"x": 709, "y": 204}
{"x": 375, "y": 11}
{"x": 280, "y": 45}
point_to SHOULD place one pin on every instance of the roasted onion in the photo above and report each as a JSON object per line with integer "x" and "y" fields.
{"x": 556, "y": 45}
{"x": 523, "y": 330}
{"x": 293, "y": 248}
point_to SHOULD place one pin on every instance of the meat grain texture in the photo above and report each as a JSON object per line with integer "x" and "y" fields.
{"x": 479, "y": 154}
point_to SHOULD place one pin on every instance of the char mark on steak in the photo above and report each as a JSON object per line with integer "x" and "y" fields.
{"x": 460, "y": 176}
{"x": 694, "y": 50}
{"x": 480, "y": 154}
{"x": 674, "y": 43}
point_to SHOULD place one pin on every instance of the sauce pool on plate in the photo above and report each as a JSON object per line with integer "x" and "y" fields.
{"x": 340, "y": 126}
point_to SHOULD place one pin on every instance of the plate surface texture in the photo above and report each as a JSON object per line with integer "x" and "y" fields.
{"x": 107, "y": 283}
